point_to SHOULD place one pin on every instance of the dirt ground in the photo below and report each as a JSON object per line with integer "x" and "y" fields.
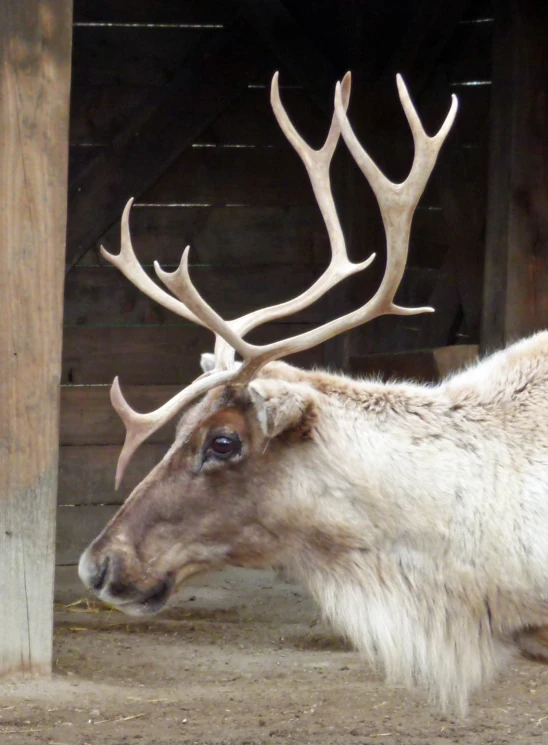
{"x": 241, "y": 661}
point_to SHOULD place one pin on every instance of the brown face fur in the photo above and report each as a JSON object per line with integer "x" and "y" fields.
{"x": 199, "y": 508}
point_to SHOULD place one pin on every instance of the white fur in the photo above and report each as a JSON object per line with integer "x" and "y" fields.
{"x": 439, "y": 496}
{"x": 207, "y": 362}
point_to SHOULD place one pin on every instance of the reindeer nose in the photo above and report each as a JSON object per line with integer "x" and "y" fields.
{"x": 98, "y": 579}
{"x": 93, "y": 572}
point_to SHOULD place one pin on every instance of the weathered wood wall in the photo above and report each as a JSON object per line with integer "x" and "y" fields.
{"x": 170, "y": 104}
{"x": 516, "y": 288}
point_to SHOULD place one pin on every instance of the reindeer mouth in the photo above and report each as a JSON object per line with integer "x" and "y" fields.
{"x": 152, "y": 602}
{"x": 158, "y": 597}
{"x": 149, "y": 603}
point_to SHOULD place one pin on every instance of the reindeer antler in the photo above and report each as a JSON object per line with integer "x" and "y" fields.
{"x": 397, "y": 203}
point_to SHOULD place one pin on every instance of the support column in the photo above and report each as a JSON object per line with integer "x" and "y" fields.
{"x": 35, "y": 48}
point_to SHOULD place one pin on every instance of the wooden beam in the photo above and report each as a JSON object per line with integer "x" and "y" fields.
{"x": 86, "y": 473}
{"x": 462, "y": 207}
{"x": 154, "y": 139}
{"x": 422, "y": 365}
{"x": 415, "y": 57}
{"x": 143, "y": 11}
{"x": 77, "y": 527}
{"x": 163, "y": 355}
{"x": 439, "y": 328}
{"x": 458, "y": 292}
{"x": 426, "y": 37}
{"x": 35, "y": 39}
{"x": 295, "y": 50}
{"x": 516, "y": 269}
{"x": 87, "y": 416}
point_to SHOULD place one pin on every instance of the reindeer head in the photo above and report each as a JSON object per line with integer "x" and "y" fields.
{"x": 231, "y": 489}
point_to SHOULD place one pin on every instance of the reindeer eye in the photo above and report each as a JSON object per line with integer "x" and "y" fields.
{"x": 225, "y": 446}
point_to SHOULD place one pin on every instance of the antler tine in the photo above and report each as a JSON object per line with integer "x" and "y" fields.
{"x": 128, "y": 264}
{"x": 397, "y": 203}
{"x": 140, "y": 426}
{"x": 317, "y": 163}
{"x": 417, "y": 130}
{"x": 180, "y": 284}
{"x": 426, "y": 152}
{"x": 426, "y": 148}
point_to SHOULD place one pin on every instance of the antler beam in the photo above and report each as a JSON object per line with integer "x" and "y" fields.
{"x": 397, "y": 203}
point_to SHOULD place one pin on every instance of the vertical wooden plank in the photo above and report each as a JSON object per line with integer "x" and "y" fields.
{"x": 35, "y": 42}
{"x": 516, "y": 270}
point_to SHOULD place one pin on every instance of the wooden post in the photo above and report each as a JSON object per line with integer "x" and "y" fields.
{"x": 35, "y": 47}
{"x": 516, "y": 270}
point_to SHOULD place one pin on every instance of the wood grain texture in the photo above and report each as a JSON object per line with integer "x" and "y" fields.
{"x": 98, "y": 111}
{"x": 293, "y": 48}
{"x": 467, "y": 56}
{"x": 219, "y": 176}
{"x": 439, "y": 328}
{"x": 473, "y": 117}
{"x": 422, "y": 365}
{"x": 86, "y": 473}
{"x": 165, "y": 125}
{"x": 461, "y": 185}
{"x": 76, "y": 528}
{"x": 250, "y": 120}
{"x": 223, "y": 236}
{"x": 156, "y": 355}
{"x": 143, "y": 11}
{"x": 87, "y": 416}
{"x": 254, "y": 236}
{"x": 388, "y": 334}
{"x": 104, "y": 297}
{"x": 454, "y": 358}
{"x": 138, "y": 355}
{"x": 516, "y": 269}
{"x": 35, "y": 40}
{"x": 132, "y": 55}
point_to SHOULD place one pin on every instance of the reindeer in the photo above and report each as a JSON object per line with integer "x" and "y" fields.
{"x": 414, "y": 514}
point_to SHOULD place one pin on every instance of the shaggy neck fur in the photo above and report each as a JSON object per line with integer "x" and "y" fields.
{"x": 417, "y": 627}
{"x": 421, "y": 529}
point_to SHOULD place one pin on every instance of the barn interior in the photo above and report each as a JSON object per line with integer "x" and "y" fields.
{"x": 169, "y": 104}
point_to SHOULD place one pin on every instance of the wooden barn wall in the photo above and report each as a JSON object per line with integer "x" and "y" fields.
{"x": 240, "y": 197}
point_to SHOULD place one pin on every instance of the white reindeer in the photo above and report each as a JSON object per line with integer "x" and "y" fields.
{"x": 416, "y": 515}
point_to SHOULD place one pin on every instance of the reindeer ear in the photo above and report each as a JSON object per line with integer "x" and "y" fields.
{"x": 207, "y": 362}
{"x": 284, "y": 407}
